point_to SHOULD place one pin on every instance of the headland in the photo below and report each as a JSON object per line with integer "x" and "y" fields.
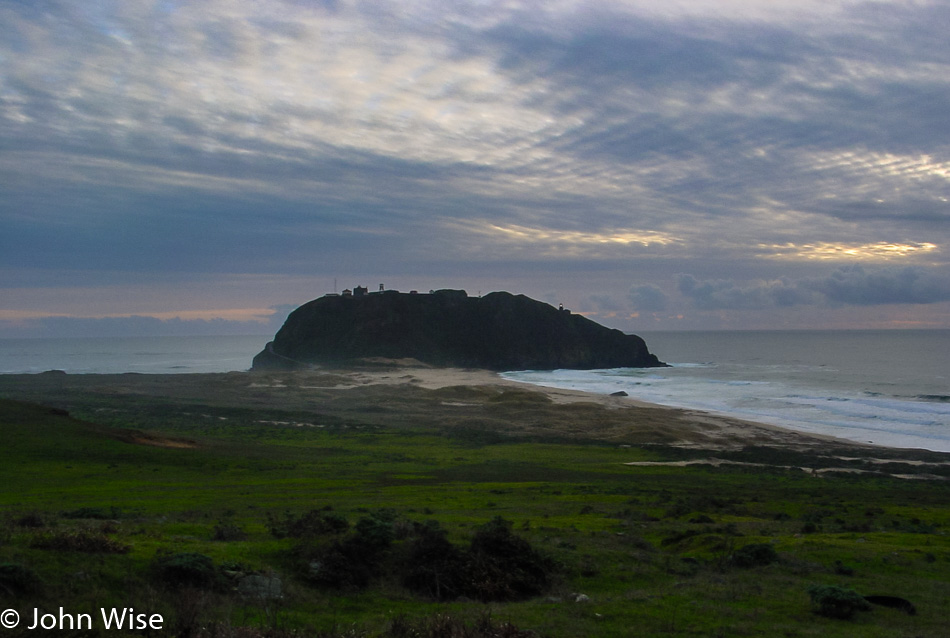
{"x": 448, "y": 328}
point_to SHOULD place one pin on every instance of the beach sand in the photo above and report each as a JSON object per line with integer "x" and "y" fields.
{"x": 714, "y": 430}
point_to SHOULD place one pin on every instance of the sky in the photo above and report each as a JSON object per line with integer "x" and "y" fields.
{"x": 204, "y": 166}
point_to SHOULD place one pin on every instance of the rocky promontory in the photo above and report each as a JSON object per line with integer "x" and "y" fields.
{"x": 499, "y": 331}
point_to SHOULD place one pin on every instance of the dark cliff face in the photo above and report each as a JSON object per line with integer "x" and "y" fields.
{"x": 499, "y": 331}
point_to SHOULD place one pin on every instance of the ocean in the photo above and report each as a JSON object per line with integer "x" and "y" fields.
{"x": 146, "y": 355}
{"x": 889, "y": 387}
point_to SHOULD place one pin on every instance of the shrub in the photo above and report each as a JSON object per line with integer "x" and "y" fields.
{"x": 225, "y": 531}
{"x": 433, "y": 566}
{"x": 502, "y": 566}
{"x": 837, "y": 602}
{"x": 80, "y": 541}
{"x": 17, "y": 580}
{"x": 100, "y": 513}
{"x": 754, "y": 555}
{"x": 312, "y": 524}
{"x": 185, "y": 568}
{"x": 375, "y": 532}
{"x": 498, "y": 566}
{"x": 32, "y": 520}
{"x": 343, "y": 565}
{"x": 443, "y": 626}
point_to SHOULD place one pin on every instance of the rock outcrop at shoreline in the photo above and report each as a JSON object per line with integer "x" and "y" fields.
{"x": 499, "y": 331}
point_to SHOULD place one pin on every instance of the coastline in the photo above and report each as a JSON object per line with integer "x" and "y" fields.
{"x": 729, "y": 430}
{"x": 477, "y": 402}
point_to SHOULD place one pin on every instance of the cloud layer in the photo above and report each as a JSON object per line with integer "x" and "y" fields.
{"x": 799, "y": 151}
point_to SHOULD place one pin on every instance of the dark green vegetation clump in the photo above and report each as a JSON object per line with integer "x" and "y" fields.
{"x": 755, "y": 555}
{"x": 250, "y": 505}
{"x": 79, "y": 541}
{"x": 17, "y": 581}
{"x": 837, "y": 602}
{"x": 503, "y": 566}
{"x": 497, "y": 566}
{"x": 189, "y": 569}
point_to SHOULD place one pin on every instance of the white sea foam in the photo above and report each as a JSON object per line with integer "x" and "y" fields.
{"x": 845, "y": 392}
{"x": 887, "y": 421}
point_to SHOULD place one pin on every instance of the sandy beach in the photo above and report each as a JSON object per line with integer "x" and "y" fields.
{"x": 695, "y": 428}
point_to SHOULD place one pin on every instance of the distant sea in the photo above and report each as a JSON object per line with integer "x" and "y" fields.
{"x": 146, "y": 355}
{"x": 889, "y": 387}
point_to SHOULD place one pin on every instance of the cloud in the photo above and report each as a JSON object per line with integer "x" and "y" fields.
{"x": 133, "y": 326}
{"x": 605, "y": 303}
{"x": 469, "y": 139}
{"x": 137, "y": 326}
{"x": 856, "y": 286}
{"x": 648, "y": 298}
{"x": 851, "y": 285}
{"x": 881, "y": 251}
{"x": 726, "y": 294}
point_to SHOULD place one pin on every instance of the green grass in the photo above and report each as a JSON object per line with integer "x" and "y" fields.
{"x": 649, "y": 546}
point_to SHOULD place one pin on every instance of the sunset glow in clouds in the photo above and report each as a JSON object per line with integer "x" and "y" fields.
{"x": 702, "y": 164}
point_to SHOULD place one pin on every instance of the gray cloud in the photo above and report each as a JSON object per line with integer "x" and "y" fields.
{"x": 140, "y": 325}
{"x": 852, "y": 285}
{"x": 605, "y": 303}
{"x": 726, "y": 294}
{"x": 648, "y": 298}
{"x": 134, "y": 326}
{"x": 857, "y": 286}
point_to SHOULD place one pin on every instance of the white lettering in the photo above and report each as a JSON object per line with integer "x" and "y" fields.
{"x": 113, "y": 617}
{"x": 67, "y": 621}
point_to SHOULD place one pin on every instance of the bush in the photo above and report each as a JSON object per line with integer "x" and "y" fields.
{"x": 80, "y": 541}
{"x": 498, "y": 566}
{"x": 32, "y": 520}
{"x": 343, "y": 565}
{"x": 99, "y": 513}
{"x": 310, "y": 525}
{"x": 225, "y": 531}
{"x": 754, "y": 555}
{"x": 433, "y": 567}
{"x": 504, "y": 567}
{"x": 186, "y": 568}
{"x": 443, "y": 626}
{"x": 351, "y": 563}
{"x": 375, "y": 532}
{"x": 837, "y": 602}
{"x": 17, "y": 580}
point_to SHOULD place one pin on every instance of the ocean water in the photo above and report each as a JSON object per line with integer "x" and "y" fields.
{"x": 889, "y": 387}
{"x": 147, "y": 355}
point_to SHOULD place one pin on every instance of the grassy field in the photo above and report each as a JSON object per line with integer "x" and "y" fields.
{"x": 227, "y": 512}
